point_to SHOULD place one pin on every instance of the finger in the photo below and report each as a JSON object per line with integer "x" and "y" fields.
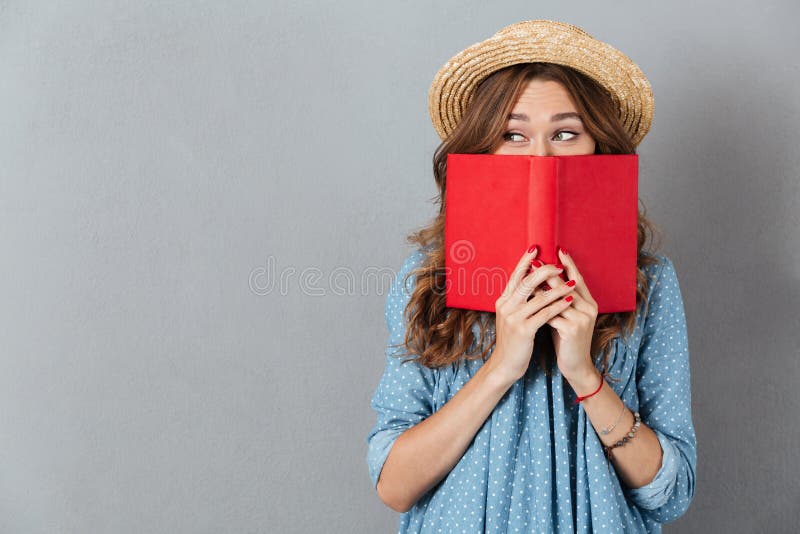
{"x": 573, "y": 313}
{"x": 580, "y": 311}
{"x": 544, "y": 298}
{"x": 533, "y": 281}
{"x": 539, "y": 290}
{"x": 543, "y": 286}
{"x": 574, "y": 274}
{"x": 580, "y": 304}
{"x": 548, "y": 312}
{"x": 555, "y": 280}
{"x": 520, "y": 270}
{"x": 530, "y": 282}
{"x": 558, "y": 322}
{"x": 568, "y": 318}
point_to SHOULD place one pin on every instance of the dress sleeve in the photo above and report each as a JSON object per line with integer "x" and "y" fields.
{"x": 663, "y": 383}
{"x": 404, "y": 395}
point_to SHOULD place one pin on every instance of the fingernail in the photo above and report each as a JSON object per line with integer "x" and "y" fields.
{"x": 546, "y": 287}
{"x": 531, "y": 249}
{"x": 563, "y": 251}
{"x": 559, "y": 265}
{"x": 568, "y": 299}
{"x": 571, "y": 283}
{"x": 536, "y": 264}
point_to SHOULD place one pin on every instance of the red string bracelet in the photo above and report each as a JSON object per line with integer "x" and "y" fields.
{"x": 579, "y": 399}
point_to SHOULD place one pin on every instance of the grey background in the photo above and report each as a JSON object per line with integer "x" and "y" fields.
{"x": 158, "y": 160}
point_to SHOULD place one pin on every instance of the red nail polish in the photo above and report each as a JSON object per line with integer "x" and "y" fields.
{"x": 531, "y": 249}
{"x": 571, "y": 283}
{"x": 546, "y": 287}
{"x": 536, "y": 264}
{"x": 559, "y": 265}
{"x": 568, "y": 299}
{"x": 563, "y": 251}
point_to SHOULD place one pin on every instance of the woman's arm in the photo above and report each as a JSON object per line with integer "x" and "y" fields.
{"x": 412, "y": 445}
{"x": 659, "y": 464}
{"x": 425, "y": 453}
{"x": 411, "y": 448}
{"x": 636, "y": 462}
{"x": 663, "y": 382}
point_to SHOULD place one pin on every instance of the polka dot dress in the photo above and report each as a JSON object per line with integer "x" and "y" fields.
{"x": 537, "y": 463}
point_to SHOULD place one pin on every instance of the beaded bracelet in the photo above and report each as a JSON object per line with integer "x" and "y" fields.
{"x": 627, "y": 438}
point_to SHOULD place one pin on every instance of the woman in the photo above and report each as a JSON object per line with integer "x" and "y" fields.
{"x": 543, "y": 416}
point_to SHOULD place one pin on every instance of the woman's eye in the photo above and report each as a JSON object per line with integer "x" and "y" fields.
{"x": 573, "y": 134}
{"x": 563, "y": 135}
{"x": 513, "y": 136}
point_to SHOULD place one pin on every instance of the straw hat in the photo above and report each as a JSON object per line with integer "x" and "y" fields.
{"x": 541, "y": 41}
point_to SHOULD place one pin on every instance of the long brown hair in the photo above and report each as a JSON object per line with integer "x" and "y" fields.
{"x": 438, "y": 335}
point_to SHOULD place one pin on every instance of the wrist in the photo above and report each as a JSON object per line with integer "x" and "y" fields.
{"x": 586, "y": 382}
{"x": 498, "y": 374}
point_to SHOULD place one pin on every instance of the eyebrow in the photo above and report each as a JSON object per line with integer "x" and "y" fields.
{"x": 554, "y": 118}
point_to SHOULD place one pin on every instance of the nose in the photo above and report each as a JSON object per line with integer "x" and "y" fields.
{"x": 538, "y": 147}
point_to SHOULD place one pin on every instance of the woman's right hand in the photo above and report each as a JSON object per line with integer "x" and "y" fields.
{"x": 519, "y": 316}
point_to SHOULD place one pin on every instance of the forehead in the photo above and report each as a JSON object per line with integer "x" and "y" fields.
{"x": 545, "y": 94}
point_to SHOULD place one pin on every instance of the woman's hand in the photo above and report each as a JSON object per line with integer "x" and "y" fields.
{"x": 518, "y": 316}
{"x": 573, "y": 327}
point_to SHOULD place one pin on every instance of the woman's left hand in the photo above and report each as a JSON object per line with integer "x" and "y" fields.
{"x": 573, "y": 328}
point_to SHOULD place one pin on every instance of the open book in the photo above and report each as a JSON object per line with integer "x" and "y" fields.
{"x": 496, "y": 206}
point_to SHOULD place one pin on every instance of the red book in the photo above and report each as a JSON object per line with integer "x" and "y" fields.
{"x": 496, "y": 206}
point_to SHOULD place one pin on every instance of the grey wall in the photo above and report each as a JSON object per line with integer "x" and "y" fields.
{"x": 159, "y": 161}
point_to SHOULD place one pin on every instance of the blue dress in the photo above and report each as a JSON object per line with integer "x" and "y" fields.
{"x": 537, "y": 463}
